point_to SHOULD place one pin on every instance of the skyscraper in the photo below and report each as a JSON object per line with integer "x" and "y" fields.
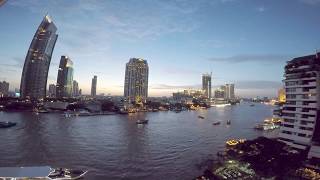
{"x": 282, "y": 95}
{"x": 301, "y": 123}
{"x": 36, "y": 66}
{"x": 94, "y": 86}
{"x": 206, "y": 85}
{"x": 52, "y": 90}
{"x": 229, "y": 91}
{"x": 75, "y": 88}
{"x": 136, "y": 80}
{"x": 4, "y": 89}
{"x": 65, "y": 78}
{"x": 219, "y": 93}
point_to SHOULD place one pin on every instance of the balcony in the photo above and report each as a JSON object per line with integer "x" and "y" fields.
{"x": 287, "y": 129}
{"x": 288, "y": 117}
{"x": 309, "y": 98}
{"x": 310, "y": 84}
{"x": 304, "y": 67}
{"x": 309, "y": 125}
{"x": 312, "y": 119}
{"x": 310, "y": 112}
{"x": 302, "y": 140}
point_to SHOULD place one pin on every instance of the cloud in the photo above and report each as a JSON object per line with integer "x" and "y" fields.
{"x": 258, "y": 84}
{"x": 15, "y": 62}
{"x": 265, "y": 58}
{"x": 180, "y": 70}
{"x": 310, "y": 2}
{"x": 132, "y": 19}
{"x": 261, "y": 9}
{"x": 175, "y": 87}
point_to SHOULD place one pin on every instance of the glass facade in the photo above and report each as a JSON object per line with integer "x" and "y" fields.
{"x": 65, "y": 78}
{"x": 94, "y": 86}
{"x": 206, "y": 85}
{"x": 36, "y": 66}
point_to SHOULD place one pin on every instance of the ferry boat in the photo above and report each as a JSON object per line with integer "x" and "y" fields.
{"x": 7, "y": 124}
{"x": 216, "y": 123}
{"x": 142, "y": 121}
{"x": 266, "y": 126}
{"x": 40, "y": 172}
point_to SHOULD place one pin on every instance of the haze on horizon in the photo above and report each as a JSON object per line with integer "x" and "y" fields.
{"x": 243, "y": 42}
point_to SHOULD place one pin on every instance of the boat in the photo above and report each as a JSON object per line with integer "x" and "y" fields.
{"x": 40, "y": 172}
{"x": 142, "y": 121}
{"x": 7, "y": 124}
{"x": 66, "y": 174}
{"x": 200, "y": 117}
{"x": 266, "y": 126}
{"x": 43, "y": 111}
{"x": 233, "y": 142}
{"x": 216, "y": 123}
{"x": 123, "y": 112}
{"x": 228, "y": 122}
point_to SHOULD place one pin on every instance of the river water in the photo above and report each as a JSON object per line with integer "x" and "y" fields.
{"x": 170, "y": 146}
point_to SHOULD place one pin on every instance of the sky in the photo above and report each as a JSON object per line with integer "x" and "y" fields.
{"x": 246, "y": 42}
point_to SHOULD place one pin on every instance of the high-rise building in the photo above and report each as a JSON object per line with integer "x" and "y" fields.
{"x": 136, "y": 80}
{"x": 52, "y": 91}
{"x": 36, "y": 66}
{"x": 4, "y": 89}
{"x": 301, "y": 122}
{"x": 282, "y": 95}
{"x": 75, "y": 88}
{"x": 65, "y": 78}
{"x": 94, "y": 86}
{"x": 219, "y": 93}
{"x": 206, "y": 85}
{"x": 229, "y": 91}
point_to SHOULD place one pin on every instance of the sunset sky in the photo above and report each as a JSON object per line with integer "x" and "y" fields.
{"x": 245, "y": 42}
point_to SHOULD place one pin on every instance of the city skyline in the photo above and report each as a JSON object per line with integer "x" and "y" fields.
{"x": 232, "y": 52}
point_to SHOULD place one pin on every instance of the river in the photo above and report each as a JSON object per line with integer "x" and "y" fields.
{"x": 170, "y": 146}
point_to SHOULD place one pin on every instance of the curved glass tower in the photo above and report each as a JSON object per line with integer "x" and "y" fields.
{"x": 37, "y": 62}
{"x": 65, "y": 78}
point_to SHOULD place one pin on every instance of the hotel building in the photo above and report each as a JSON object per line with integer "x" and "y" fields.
{"x": 136, "y": 80}
{"x": 36, "y": 66}
{"x": 300, "y": 127}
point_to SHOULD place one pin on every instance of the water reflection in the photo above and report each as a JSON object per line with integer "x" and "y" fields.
{"x": 115, "y": 147}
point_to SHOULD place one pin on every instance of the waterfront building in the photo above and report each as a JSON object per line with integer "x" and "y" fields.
{"x": 187, "y": 96}
{"x": 94, "y": 86}
{"x": 75, "y": 89}
{"x": 65, "y": 78}
{"x": 219, "y": 93}
{"x": 206, "y": 85}
{"x": 229, "y": 91}
{"x": 301, "y": 125}
{"x": 4, "y": 89}
{"x": 36, "y": 66}
{"x": 282, "y": 95}
{"x": 52, "y": 91}
{"x": 136, "y": 80}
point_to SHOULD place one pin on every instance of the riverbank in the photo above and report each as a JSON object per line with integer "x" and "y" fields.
{"x": 260, "y": 158}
